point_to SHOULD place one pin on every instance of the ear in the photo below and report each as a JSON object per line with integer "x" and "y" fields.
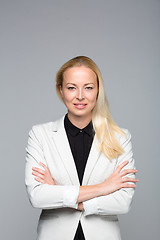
{"x": 60, "y": 89}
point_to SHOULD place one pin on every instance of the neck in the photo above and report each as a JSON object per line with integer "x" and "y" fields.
{"x": 79, "y": 121}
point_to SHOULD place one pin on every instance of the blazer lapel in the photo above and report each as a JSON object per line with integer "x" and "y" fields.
{"x": 91, "y": 162}
{"x": 62, "y": 144}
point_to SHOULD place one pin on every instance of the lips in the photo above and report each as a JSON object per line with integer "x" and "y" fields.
{"x": 80, "y": 105}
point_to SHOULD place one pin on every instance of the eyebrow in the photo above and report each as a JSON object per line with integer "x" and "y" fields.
{"x": 84, "y": 84}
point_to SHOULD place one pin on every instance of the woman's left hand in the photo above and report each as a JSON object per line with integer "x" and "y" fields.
{"x": 43, "y": 176}
{"x": 80, "y": 206}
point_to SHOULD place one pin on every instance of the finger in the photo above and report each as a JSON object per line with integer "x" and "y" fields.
{"x": 119, "y": 168}
{"x": 127, "y": 185}
{"x": 128, "y": 179}
{"x": 38, "y": 170}
{"x": 44, "y": 166}
{"x": 38, "y": 175}
{"x": 39, "y": 180}
{"x": 127, "y": 171}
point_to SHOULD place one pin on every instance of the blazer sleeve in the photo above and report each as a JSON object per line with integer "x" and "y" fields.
{"x": 43, "y": 195}
{"x": 118, "y": 202}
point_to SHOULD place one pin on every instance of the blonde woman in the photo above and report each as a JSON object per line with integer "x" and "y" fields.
{"x": 80, "y": 169}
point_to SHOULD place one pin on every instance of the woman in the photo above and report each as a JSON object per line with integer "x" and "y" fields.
{"x": 80, "y": 169}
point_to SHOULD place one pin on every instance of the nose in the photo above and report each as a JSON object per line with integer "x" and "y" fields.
{"x": 80, "y": 94}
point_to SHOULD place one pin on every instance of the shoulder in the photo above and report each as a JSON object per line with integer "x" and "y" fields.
{"x": 126, "y": 131}
{"x": 47, "y": 126}
{"x": 123, "y": 137}
{"x": 125, "y": 140}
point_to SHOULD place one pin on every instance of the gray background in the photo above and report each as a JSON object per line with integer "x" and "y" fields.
{"x": 37, "y": 37}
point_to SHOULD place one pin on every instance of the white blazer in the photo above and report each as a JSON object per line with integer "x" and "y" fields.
{"x": 48, "y": 143}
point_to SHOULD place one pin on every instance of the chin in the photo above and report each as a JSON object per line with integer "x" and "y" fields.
{"x": 81, "y": 114}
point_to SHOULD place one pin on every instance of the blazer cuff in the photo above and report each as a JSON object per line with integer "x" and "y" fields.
{"x": 70, "y": 196}
{"x": 90, "y": 207}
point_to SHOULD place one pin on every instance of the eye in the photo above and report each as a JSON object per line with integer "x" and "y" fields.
{"x": 89, "y": 88}
{"x": 71, "y": 88}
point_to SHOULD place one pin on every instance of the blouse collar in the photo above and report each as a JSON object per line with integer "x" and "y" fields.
{"x": 73, "y": 130}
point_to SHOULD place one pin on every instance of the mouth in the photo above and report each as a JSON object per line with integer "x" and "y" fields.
{"x": 80, "y": 105}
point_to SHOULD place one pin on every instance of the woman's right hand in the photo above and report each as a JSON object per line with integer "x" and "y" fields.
{"x": 43, "y": 176}
{"x": 118, "y": 180}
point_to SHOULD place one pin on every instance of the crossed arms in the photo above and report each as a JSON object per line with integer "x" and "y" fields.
{"x": 113, "y": 196}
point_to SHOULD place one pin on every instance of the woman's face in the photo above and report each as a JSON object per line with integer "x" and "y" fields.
{"x": 79, "y": 92}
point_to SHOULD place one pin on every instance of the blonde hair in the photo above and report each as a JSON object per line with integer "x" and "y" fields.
{"x": 103, "y": 124}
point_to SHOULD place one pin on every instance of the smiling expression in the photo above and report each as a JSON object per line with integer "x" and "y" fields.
{"x": 79, "y": 92}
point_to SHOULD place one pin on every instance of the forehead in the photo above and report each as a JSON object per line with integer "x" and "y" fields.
{"x": 79, "y": 73}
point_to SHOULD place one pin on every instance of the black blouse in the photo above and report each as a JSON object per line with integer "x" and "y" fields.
{"x": 80, "y": 141}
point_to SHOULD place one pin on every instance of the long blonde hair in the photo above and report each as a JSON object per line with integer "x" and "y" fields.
{"x": 103, "y": 124}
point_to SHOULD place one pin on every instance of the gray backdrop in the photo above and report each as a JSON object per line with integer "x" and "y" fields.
{"x": 37, "y": 37}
